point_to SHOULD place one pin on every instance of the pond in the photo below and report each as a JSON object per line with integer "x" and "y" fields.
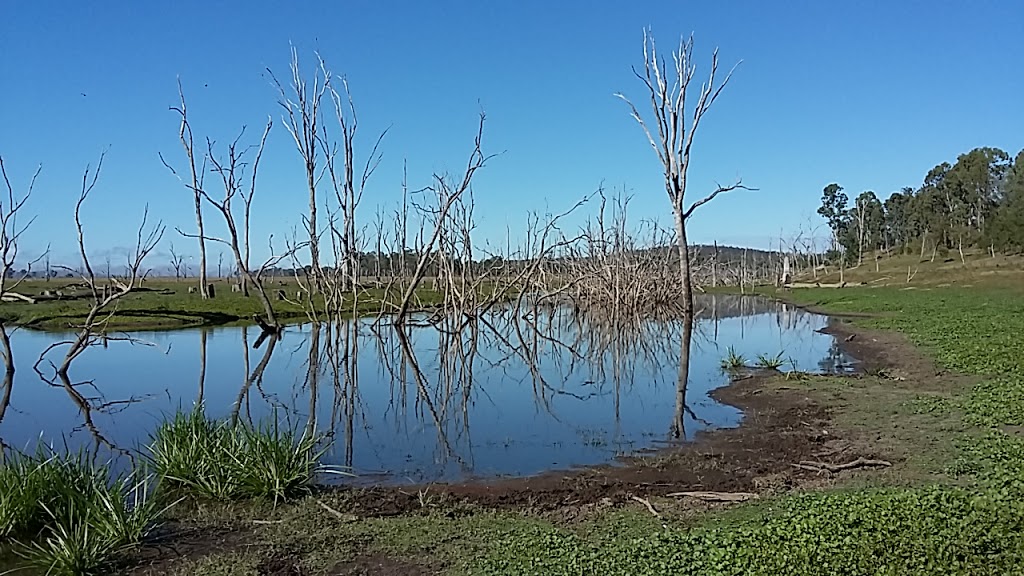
{"x": 501, "y": 395}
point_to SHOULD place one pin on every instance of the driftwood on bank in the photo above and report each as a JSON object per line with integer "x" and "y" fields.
{"x": 817, "y": 284}
{"x": 647, "y": 504}
{"x": 716, "y": 496}
{"x": 833, "y": 468}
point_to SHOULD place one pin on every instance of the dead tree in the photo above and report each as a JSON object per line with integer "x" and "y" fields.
{"x": 177, "y": 263}
{"x": 673, "y": 144}
{"x": 302, "y": 116}
{"x": 92, "y": 329}
{"x": 194, "y": 184}
{"x": 447, "y": 191}
{"x": 674, "y": 141}
{"x": 10, "y": 233}
{"x": 347, "y": 192}
{"x": 231, "y": 171}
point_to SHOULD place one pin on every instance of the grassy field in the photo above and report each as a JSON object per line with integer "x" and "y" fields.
{"x": 978, "y": 269}
{"x": 166, "y": 303}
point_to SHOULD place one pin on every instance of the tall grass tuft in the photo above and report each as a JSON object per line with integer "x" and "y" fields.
{"x": 771, "y": 362}
{"x": 32, "y": 485}
{"x": 67, "y": 515}
{"x": 225, "y": 461}
{"x": 733, "y": 360}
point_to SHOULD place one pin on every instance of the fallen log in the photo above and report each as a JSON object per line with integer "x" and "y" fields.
{"x": 14, "y": 297}
{"x": 716, "y": 496}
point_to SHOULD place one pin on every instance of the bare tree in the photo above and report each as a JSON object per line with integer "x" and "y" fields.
{"x": 674, "y": 141}
{"x": 195, "y": 184}
{"x": 348, "y": 193}
{"x": 10, "y": 234}
{"x": 177, "y": 263}
{"x": 301, "y": 120}
{"x": 676, "y": 127}
{"x": 231, "y": 170}
{"x": 448, "y": 192}
{"x": 92, "y": 329}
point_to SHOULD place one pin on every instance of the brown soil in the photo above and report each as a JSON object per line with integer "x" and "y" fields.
{"x": 175, "y": 541}
{"x": 379, "y": 566}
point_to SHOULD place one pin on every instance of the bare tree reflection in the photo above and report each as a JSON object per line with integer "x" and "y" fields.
{"x": 8, "y": 360}
{"x": 200, "y": 396}
{"x": 255, "y": 377}
{"x": 423, "y": 389}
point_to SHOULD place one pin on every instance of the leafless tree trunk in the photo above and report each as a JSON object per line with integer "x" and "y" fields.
{"x": 10, "y": 233}
{"x": 861, "y": 232}
{"x": 177, "y": 262}
{"x": 195, "y": 185}
{"x": 347, "y": 192}
{"x": 302, "y": 116}
{"x": 673, "y": 146}
{"x": 230, "y": 171}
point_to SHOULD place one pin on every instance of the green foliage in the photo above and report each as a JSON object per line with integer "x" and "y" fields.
{"x": 733, "y": 360}
{"x": 226, "y": 461}
{"x": 978, "y": 200}
{"x": 877, "y": 531}
{"x": 771, "y": 362}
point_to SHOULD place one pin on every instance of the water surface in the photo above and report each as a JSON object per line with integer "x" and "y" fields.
{"x": 504, "y": 395}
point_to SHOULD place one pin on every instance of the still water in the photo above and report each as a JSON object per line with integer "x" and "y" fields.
{"x": 505, "y": 394}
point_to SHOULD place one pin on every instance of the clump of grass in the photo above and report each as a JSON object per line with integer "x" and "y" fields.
{"x": 66, "y": 515}
{"x": 31, "y": 485}
{"x": 225, "y": 461}
{"x": 770, "y": 362}
{"x": 733, "y": 360}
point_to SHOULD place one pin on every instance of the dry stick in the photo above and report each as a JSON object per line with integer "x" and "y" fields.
{"x": 339, "y": 515}
{"x": 716, "y": 496}
{"x": 826, "y": 467}
{"x": 647, "y": 504}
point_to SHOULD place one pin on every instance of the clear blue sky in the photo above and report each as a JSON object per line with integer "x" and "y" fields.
{"x": 868, "y": 94}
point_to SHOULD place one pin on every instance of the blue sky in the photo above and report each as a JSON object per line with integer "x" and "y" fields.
{"x": 869, "y": 94}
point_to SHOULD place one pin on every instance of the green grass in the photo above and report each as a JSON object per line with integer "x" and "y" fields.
{"x": 980, "y": 270}
{"x": 733, "y": 360}
{"x": 225, "y": 461}
{"x": 167, "y": 304}
{"x": 955, "y": 507}
{"x": 64, "y": 515}
{"x": 770, "y": 362}
{"x": 976, "y": 527}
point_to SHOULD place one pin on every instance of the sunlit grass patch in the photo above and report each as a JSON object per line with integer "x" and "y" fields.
{"x": 228, "y": 461}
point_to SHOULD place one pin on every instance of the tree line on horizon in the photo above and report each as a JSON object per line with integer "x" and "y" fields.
{"x": 978, "y": 202}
